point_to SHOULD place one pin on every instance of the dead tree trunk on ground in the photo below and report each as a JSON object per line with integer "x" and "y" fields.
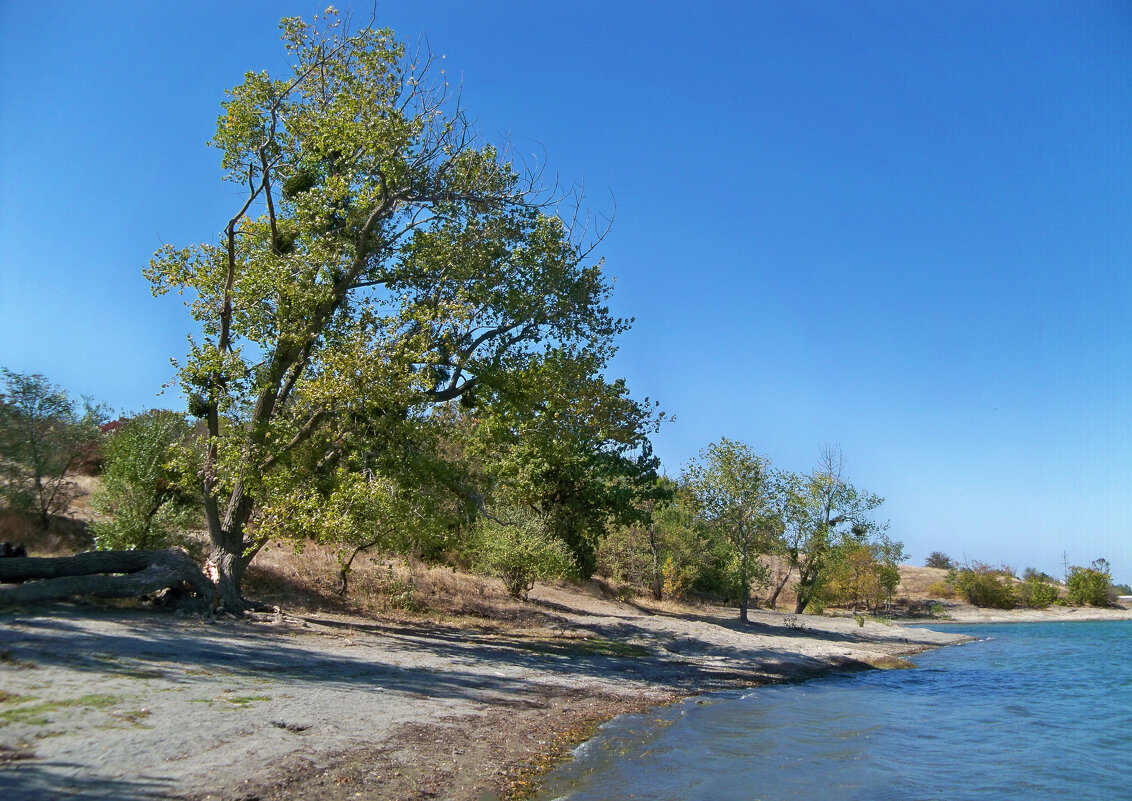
{"x": 104, "y": 574}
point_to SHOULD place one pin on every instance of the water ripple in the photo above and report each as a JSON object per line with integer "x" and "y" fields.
{"x": 1029, "y": 711}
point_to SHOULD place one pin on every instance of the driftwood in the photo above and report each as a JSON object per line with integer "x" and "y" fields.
{"x": 105, "y": 574}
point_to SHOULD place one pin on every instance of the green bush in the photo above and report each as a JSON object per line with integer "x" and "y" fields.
{"x": 1089, "y": 585}
{"x": 981, "y": 585}
{"x": 1036, "y": 593}
{"x": 143, "y": 502}
{"x": 941, "y": 589}
{"x": 517, "y": 548}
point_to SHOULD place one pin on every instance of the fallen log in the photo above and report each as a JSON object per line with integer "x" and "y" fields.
{"x": 104, "y": 574}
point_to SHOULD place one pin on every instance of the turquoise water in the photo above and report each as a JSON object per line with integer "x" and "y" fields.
{"x": 1029, "y": 711}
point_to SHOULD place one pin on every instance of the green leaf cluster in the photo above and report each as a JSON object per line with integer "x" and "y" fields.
{"x": 516, "y": 547}
{"x": 1037, "y": 592}
{"x": 144, "y": 500}
{"x": 981, "y": 585}
{"x": 1089, "y": 585}
{"x": 44, "y": 435}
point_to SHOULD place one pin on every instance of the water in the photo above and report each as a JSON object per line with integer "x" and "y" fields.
{"x": 1030, "y": 711}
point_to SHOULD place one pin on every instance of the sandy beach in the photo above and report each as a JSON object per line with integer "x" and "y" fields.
{"x": 98, "y": 702}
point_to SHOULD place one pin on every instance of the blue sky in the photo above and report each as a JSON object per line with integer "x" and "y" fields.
{"x": 901, "y": 227}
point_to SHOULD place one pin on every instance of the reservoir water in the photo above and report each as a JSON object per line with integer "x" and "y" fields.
{"x": 1028, "y": 711}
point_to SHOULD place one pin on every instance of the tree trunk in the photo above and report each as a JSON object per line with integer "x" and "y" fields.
{"x": 227, "y": 565}
{"x": 772, "y": 601}
{"x": 657, "y": 571}
{"x": 745, "y": 589}
{"x": 105, "y": 574}
{"x": 230, "y": 554}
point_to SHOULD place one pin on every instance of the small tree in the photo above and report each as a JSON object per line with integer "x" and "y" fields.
{"x": 517, "y": 548}
{"x": 668, "y": 552}
{"x": 862, "y": 572}
{"x": 573, "y": 447}
{"x": 1089, "y": 585}
{"x": 42, "y": 439}
{"x": 733, "y": 492}
{"x": 939, "y": 559}
{"x": 145, "y": 501}
{"x": 816, "y": 512}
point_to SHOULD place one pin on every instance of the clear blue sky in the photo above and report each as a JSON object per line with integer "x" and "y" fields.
{"x": 903, "y": 227}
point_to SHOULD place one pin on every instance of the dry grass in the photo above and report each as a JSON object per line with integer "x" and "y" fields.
{"x": 308, "y": 580}
{"x": 916, "y": 582}
{"x": 65, "y": 536}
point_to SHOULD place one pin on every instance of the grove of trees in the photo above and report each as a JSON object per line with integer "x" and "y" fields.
{"x": 403, "y": 345}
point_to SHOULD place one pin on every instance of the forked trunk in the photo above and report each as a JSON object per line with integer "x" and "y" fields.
{"x": 230, "y": 553}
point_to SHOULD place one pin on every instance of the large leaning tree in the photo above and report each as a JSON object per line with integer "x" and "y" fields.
{"x": 381, "y": 261}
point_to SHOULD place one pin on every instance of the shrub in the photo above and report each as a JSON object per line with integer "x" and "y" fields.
{"x": 142, "y": 499}
{"x": 1034, "y": 573}
{"x": 517, "y": 548}
{"x": 1089, "y": 585}
{"x": 941, "y": 589}
{"x": 43, "y": 438}
{"x": 981, "y": 585}
{"x": 1037, "y": 593}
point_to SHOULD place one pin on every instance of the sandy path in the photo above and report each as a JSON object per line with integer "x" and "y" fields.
{"x": 111, "y": 703}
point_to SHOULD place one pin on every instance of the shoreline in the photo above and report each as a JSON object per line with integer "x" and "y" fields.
{"x": 964, "y": 614}
{"x": 138, "y": 704}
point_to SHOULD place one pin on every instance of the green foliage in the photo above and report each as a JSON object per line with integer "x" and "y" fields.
{"x": 384, "y": 484}
{"x": 1037, "y": 592}
{"x": 517, "y": 548}
{"x": 43, "y": 436}
{"x": 144, "y": 500}
{"x": 941, "y": 589}
{"x": 861, "y": 573}
{"x": 939, "y": 559}
{"x": 982, "y": 585}
{"x": 572, "y": 446}
{"x": 382, "y": 263}
{"x": 818, "y": 513}
{"x": 1033, "y": 573}
{"x": 733, "y": 494}
{"x": 1089, "y": 585}
{"x": 668, "y": 553}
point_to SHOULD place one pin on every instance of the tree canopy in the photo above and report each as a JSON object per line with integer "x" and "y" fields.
{"x": 43, "y": 437}
{"x": 382, "y": 260}
{"x": 733, "y": 491}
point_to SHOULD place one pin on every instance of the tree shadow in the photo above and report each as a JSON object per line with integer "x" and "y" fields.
{"x": 34, "y": 780}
